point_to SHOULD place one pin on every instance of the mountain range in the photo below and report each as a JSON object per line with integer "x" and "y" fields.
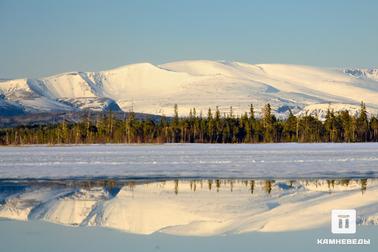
{"x": 200, "y": 84}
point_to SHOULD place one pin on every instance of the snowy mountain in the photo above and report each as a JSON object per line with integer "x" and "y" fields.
{"x": 320, "y": 110}
{"x": 201, "y": 84}
{"x": 371, "y": 74}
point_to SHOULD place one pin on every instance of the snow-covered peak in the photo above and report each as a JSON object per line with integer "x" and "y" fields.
{"x": 68, "y": 85}
{"x": 145, "y": 66}
{"x": 202, "y": 67}
{"x": 140, "y": 80}
{"x": 9, "y": 86}
{"x": 371, "y": 74}
{"x": 148, "y": 88}
{"x": 320, "y": 110}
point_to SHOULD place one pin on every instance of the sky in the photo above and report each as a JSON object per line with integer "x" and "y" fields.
{"x": 45, "y": 37}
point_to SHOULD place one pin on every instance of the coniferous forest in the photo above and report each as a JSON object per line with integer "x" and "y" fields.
{"x": 198, "y": 128}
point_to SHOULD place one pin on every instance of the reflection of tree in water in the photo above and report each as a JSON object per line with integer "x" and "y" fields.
{"x": 252, "y": 187}
{"x": 110, "y": 183}
{"x": 233, "y": 184}
{"x": 210, "y": 184}
{"x": 131, "y": 185}
{"x": 245, "y": 183}
{"x": 345, "y": 182}
{"x": 193, "y": 185}
{"x": 218, "y": 184}
{"x": 291, "y": 183}
{"x": 331, "y": 183}
{"x": 88, "y": 184}
{"x": 363, "y": 185}
{"x": 268, "y": 186}
{"x": 176, "y": 186}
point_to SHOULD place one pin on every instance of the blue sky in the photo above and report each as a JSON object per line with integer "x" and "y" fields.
{"x": 39, "y": 38}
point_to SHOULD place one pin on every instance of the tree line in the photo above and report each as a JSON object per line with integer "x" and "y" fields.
{"x": 197, "y": 128}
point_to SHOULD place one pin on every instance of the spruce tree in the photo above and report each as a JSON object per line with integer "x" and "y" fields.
{"x": 267, "y": 123}
{"x": 363, "y": 124}
{"x": 290, "y": 128}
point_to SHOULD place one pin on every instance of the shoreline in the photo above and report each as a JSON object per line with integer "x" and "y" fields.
{"x": 179, "y": 144}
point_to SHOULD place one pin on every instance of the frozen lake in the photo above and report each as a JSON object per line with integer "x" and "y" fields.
{"x": 185, "y": 196}
{"x": 191, "y": 161}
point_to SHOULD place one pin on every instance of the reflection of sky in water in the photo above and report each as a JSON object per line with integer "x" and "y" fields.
{"x": 37, "y": 236}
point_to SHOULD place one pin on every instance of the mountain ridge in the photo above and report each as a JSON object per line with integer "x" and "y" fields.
{"x": 154, "y": 89}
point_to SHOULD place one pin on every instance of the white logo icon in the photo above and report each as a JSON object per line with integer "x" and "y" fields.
{"x": 344, "y": 221}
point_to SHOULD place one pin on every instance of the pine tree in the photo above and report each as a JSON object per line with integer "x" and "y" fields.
{"x": 252, "y": 125}
{"x": 363, "y": 124}
{"x": 196, "y": 126}
{"x": 130, "y": 128}
{"x": 212, "y": 129}
{"x": 334, "y": 126}
{"x": 210, "y": 126}
{"x": 109, "y": 127}
{"x": 218, "y": 126}
{"x": 267, "y": 123}
{"x": 347, "y": 127}
{"x": 176, "y": 126}
{"x": 290, "y": 128}
{"x": 374, "y": 128}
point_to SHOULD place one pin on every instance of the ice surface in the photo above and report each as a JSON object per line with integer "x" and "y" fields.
{"x": 191, "y": 160}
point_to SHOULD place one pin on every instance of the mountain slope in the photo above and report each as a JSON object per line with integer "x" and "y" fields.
{"x": 371, "y": 74}
{"x": 201, "y": 84}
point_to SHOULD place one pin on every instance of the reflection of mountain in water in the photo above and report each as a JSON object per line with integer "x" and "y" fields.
{"x": 190, "y": 207}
